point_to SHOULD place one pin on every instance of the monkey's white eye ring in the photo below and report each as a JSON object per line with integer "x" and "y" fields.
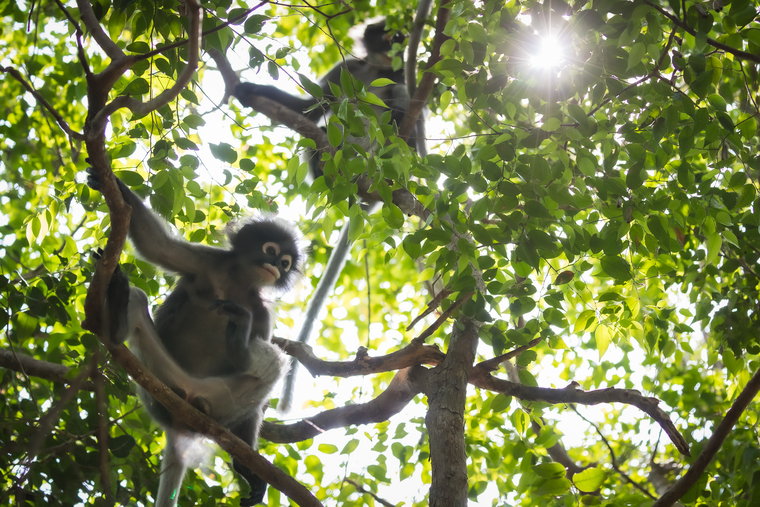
{"x": 271, "y": 248}
{"x": 286, "y": 262}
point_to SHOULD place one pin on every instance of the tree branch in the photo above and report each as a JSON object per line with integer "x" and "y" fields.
{"x": 87, "y": 16}
{"x": 494, "y": 363}
{"x": 365, "y": 491}
{"x": 42, "y": 369}
{"x": 420, "y": 97}
{"x": 207, "y": 426}
{"x": 649, "y": 405}
{"x": 423, "y": 9}
{"x": 411, "y": 355}
{"x": 402, "y": 389}
{"x": 443, "y": 318}
{"x": 613, "y": 458}
{"x": 58, "y": 118}
{"x": 718, "y": 45}
{"x": 140, "y": 108}
{"x": 713, "y": 444}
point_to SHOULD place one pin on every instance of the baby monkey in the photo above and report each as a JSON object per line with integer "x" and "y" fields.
{"x": 211, "y": 340}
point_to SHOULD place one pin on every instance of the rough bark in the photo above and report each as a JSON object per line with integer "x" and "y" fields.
{"x": 446, "y": 390}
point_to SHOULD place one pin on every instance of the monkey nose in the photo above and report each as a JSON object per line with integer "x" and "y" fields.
{"x": 273, "y": 270}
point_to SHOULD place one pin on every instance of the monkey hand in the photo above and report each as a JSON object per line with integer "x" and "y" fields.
{"x": 95, "y": 181}
{"x": 232, "y": 310}
{"x": 117, "y": 303}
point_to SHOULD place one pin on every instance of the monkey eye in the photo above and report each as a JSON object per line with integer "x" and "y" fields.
{"x": 271, "y": 248}
{"x": 286, "y": 262}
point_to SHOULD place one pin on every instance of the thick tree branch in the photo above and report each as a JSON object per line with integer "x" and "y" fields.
{"x": 87, "y": 15}
{"x": 411, "y": 355}
{"x": 207, "y": 426}
{"x": 484, "y": 380}
{"x": 718, "y": 45}
{"x": 43, "y": 369}
{"x": 419, "y": 99}
{"x": 402, "y": 389}
{"x": 446, "y": 390}
{"x": 140, "y": 108}
{"x": 713, "y": 444}
{"x": 58, "y": 118}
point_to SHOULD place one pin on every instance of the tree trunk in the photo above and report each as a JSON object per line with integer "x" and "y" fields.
{"x": 446, "y": 392}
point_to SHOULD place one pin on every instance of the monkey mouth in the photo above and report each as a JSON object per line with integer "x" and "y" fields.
{"x": 272, "y": 270}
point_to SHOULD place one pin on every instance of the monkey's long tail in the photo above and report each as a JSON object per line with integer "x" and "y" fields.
{"x": 326, "y": 283}
{"x": 173, "y": 470}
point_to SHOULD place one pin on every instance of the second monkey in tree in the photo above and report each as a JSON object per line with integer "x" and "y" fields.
{"x": 377, "y": 64}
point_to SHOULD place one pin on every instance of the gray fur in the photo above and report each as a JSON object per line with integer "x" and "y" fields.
{"x": 211, "y": 342}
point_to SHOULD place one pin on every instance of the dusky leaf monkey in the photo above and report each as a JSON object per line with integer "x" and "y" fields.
{"x": 211, "y": 340}
{"x": 377, "y": 64}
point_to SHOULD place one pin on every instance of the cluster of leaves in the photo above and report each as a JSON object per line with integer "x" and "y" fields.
{"x": 607, "y": 204}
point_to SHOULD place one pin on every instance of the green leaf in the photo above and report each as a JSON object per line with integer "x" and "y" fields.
{"x": 393, "y": 216}
{"x": 334, "y": 135}
{"x": 549, "y": 470}
{"x": 616, "y": 267}
{"x": 590, "y": 479}
{"x": 383, "y": 81}
{"x": 603, "y": 335}
{"x": 536, "y": 209}
{"x": 714, "y": 242}
{"x": 554, "y": 487}
{"x": 636, "y": 54}
{"x": 500, "y": 403}
{"x": 223, "y": 152}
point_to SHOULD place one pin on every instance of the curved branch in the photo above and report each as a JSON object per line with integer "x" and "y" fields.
{"x": 207, "y": 426}
{"x": 402, "y": 389}
{"x": 140, "y": 108}
{"x": 713, "y": 444}
{"x": 87, "y": 15}
{"x": 58, "y": 118}
{"x": 481, "y": 378}
{"x": 413, "y": 354}
{"x": 718, "y": 45}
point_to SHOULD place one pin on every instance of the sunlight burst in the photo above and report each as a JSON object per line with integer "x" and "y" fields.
{"x": 549, "y": 54}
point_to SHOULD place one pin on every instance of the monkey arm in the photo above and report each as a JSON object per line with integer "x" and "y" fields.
{"x": 158, "y": 245}
{"x": 153, "y": 239}
{"x": 297, "y": 104}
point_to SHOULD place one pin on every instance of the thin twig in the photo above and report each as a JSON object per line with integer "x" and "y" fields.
{"x": 613, "y": 459}
{"x": 58, "y": 118}
{"x": 719, "y": 45}
{"x": 494, "y": 363}
{"x": 440, "y": 320}
{"x": 364, "y": 491}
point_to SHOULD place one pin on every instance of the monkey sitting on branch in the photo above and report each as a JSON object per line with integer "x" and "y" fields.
{"x": 211, "y": 340}
{"x": 377, "y": 64}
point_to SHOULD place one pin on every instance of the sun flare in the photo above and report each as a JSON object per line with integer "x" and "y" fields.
{"x": 549, "y": 54}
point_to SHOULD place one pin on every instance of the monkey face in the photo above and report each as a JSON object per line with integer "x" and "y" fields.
{"x": 270, "y": 250}
{"x": 276, "y": 263}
